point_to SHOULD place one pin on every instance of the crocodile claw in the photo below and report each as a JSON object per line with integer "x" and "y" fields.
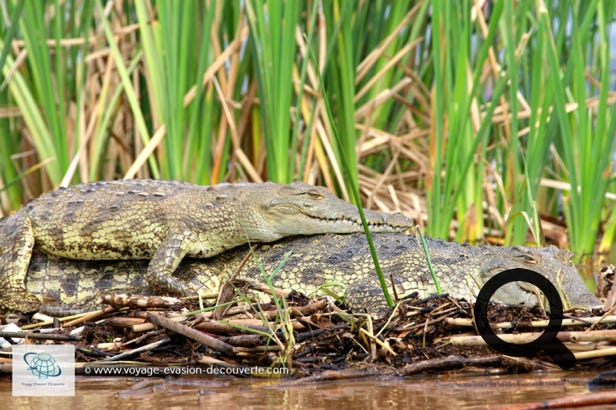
{"x": 21, "y": 300}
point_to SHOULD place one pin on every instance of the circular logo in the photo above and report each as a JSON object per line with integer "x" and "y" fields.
{"x": 42, "y": 365}
{"x": 547, "y": 342}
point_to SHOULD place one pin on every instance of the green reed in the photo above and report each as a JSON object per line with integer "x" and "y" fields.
{"x": 498, "y": 117}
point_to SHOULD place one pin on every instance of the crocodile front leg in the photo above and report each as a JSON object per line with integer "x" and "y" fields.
{"x": 16, "y": 244}
{"x": 165, "y": 261}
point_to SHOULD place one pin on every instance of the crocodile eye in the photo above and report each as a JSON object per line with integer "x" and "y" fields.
{"x": 526, "y": 256}
{"x": 314, "y": 194}
{"x": 565, "y": 257}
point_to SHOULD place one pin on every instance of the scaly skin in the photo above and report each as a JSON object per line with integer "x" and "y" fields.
{"x": 166, "y": 220}
{"x": 318, "y": 260}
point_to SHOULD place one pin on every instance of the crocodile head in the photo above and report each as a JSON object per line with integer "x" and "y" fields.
{"x": 553, "y": 263}
{"x": 302, "y": 209}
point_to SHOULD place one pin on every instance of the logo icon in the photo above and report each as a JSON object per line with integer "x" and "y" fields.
{"x": 43, "y": 370}
{"x": 547, "y": 341}
{"x": 42, "y": 365}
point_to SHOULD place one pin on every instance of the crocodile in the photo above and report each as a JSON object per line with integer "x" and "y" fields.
{"x": 306, "y": 264}
{"x": 163, "y": 221}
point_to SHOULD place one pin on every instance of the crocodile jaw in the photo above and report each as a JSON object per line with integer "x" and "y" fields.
{"x": 275, "y": 211}
{"x": 309, "y": 217}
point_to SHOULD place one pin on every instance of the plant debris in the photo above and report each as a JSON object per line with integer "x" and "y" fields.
{"x": 313, "y": 338}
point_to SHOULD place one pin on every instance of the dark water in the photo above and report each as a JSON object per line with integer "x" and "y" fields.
{"x": 460, "y": 392}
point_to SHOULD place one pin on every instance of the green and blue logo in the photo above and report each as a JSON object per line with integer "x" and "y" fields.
{"x": 42, "y": 365}
{"x": 43, "y": 370}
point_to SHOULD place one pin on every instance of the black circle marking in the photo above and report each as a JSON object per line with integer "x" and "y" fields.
{"x": 547, "y": 341}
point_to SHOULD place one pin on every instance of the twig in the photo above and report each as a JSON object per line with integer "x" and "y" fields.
{"x": 317, "y": 306}
{"x": 592, "y": 336}
{"x": 144, "y": 327}
{"x": 191, "y": 333}
{"x": 138, "y": 350}
{"x": 41, "y": 336}
{"x": 246, "y": 340}
{"x": 317, "y": 332}
{"x": 126, "y": 322}
{"x": 536, "y": 323}
{"x": 610, "y": 351}
{"x": 90, "y": 316}
{"x": 119, "y": 345}
{"x": 232, "y": 311}
{"x": 227, "y": 290}
{"x": 248, "y": 351}
{"x": 385, "y": 345}
{"x": 217, "y": 327}
{"x": 51, "y": 321}
{"x": 431, "y": 321}
{"x": 215, "y": 362}
{"x": 456, "y": 362}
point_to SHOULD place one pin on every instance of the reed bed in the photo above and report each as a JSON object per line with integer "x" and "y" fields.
{"x": 481, "y": 120}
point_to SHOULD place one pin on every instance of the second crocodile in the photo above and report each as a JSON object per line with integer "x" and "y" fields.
{"x": 307, "y": 263}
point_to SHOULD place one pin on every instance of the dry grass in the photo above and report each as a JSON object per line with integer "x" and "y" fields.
{"x": 126, "y": 108}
